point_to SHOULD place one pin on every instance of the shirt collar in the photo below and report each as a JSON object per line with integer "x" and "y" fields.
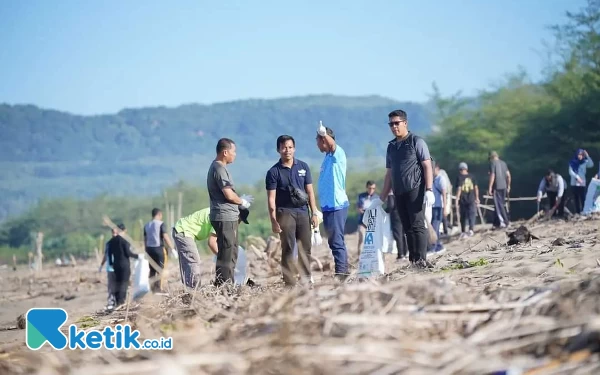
{"x": 281, "y": 162}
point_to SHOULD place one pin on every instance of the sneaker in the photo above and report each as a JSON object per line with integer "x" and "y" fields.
{"x": 422, "y": 264}
{"x": 470, "y": 233}
{"x": 440, "y": 249}
{"x": 463, "y": 236}
{"x": 502, "y": 225}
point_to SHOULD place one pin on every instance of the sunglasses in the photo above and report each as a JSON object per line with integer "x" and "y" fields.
{"x": 395, "y": 123}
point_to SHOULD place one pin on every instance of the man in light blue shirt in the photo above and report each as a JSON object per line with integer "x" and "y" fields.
{"x": 333, "y": 197}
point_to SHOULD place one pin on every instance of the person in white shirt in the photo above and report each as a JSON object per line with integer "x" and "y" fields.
{"x": 554, "y": 186}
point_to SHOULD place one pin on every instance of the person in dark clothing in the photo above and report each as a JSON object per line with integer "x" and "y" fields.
{"x": 225, "y": 206}
{"x": 290, "y": 194}
{"x": 409, "y": 174}
{"x": 396, "y": 225}
{"x": 155, "y": 236}
{"x": 118, "y": 253}
{"x": 467, "y": 196}
{"x": 499, "y": 187}
{"x": 554, "y": 186}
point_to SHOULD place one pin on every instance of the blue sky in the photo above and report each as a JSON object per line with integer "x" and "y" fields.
{"x": 91, "y": 57}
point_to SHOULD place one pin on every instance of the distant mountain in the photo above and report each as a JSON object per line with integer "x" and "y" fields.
{"x": 46, "y": 153}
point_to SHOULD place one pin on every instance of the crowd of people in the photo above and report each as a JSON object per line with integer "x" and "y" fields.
{"x": 413, "y": 183}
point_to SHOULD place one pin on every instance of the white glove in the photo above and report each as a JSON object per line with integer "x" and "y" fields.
{"x": 322, "y": 131}
{"x": 316, "y": 238}
{"x": 246, "y": 200}
{"x": 429, "y": 198}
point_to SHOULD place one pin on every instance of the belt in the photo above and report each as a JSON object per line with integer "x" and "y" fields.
{"x": 188, "y": 235}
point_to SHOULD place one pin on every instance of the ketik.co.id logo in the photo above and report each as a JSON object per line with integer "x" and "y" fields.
{"x": 44, "y": 324}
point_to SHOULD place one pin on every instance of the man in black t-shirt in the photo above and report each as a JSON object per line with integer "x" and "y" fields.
{"x": 290, "y": 193}
{"x": 467, "y": 196}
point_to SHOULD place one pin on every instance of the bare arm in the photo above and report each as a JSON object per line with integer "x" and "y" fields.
{"x": 387, "y": 185}
{"x": 491, "y": 182}
{"x": 444, "y": 200}
{"x": 508, "y": 180}
{"x": 476, "y": 194}
{"x": 458, "y": 193}
{"x": 312, "y": 202}
{"x": 231, "y": 195}
{"x": 212, "y": 243}
{"x": 428, "y": 172}
{"x": 271, "y": 203}
{"x": 168, "y": 241}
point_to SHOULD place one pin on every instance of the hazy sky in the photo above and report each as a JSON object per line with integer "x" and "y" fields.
{"x": 101, "y": 56}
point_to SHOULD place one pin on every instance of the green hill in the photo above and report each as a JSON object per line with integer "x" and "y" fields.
{"x": 47, "y": 153}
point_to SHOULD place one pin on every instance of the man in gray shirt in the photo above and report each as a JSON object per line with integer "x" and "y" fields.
{"x": 499, "y": 187}
{"x": 224, "y": 209}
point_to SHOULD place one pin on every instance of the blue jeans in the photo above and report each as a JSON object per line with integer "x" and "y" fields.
{"x": 436, "y": 220}
{"x": 335, "y": 223}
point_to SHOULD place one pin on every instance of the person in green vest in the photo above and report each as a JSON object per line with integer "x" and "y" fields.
{"x": 188, "y": 230}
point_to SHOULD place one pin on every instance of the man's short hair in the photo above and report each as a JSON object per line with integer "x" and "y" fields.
{"x": 121, "y": 226}
{"x": 224, "y": 144}
{"x": 284, "y": 138}
{"x": 370, "y": 183}
{"x": 549, "y": 171}
{"x": 493, "y": 154}
{"x": 155, "y": 211}
{"x": 399, "y": 113}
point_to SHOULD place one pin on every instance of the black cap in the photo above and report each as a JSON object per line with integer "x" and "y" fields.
{"x": 121, "y": 226}
{"x": 244, "y": 212}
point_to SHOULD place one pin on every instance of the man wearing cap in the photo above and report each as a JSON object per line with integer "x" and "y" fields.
{"x": 499, "y": 187}
{"x": 118, "y": 252}
{"x": 333, "y": 197}
{"x": 467, "y": 197}
{"x": 188, "y": 230}
{"x": 409, "y": 173}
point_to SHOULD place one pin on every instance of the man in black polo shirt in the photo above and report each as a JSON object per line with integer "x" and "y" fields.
{"x": 409, "y": 173}
{"x": 290, "y": 193}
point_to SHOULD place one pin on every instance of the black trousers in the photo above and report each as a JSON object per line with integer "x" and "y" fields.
{"x": 295, "y": 229}
{"x": 412, "y": 216}
{"x": 578, "y": 198}
{"x": 227, "y": 244}
{"x": 159, "y": 255}
{"x": 121, "y": 284}
{"x": 499, "y": 200}
{"x": 398, "y": 233}
{"x": 467, "y": 215}
{"x": 552, "y": 196}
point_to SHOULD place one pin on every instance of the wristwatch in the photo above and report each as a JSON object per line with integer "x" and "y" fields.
{"x": 429, "y": 189}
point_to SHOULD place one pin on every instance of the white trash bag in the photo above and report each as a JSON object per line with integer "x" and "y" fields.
{"x": 141, "y": 278}
{"x": 593, "y": 192}
{"x": 240, "y": 273}
{"x": 375, "y": 242}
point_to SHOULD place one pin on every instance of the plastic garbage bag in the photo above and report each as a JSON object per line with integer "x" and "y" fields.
{"x": 240, "y": 273}
{"x": 370, "y": 262}
{"x": 141, "y": 280}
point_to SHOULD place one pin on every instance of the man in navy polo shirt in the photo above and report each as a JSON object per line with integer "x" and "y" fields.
{"x": 290, "y": 193}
